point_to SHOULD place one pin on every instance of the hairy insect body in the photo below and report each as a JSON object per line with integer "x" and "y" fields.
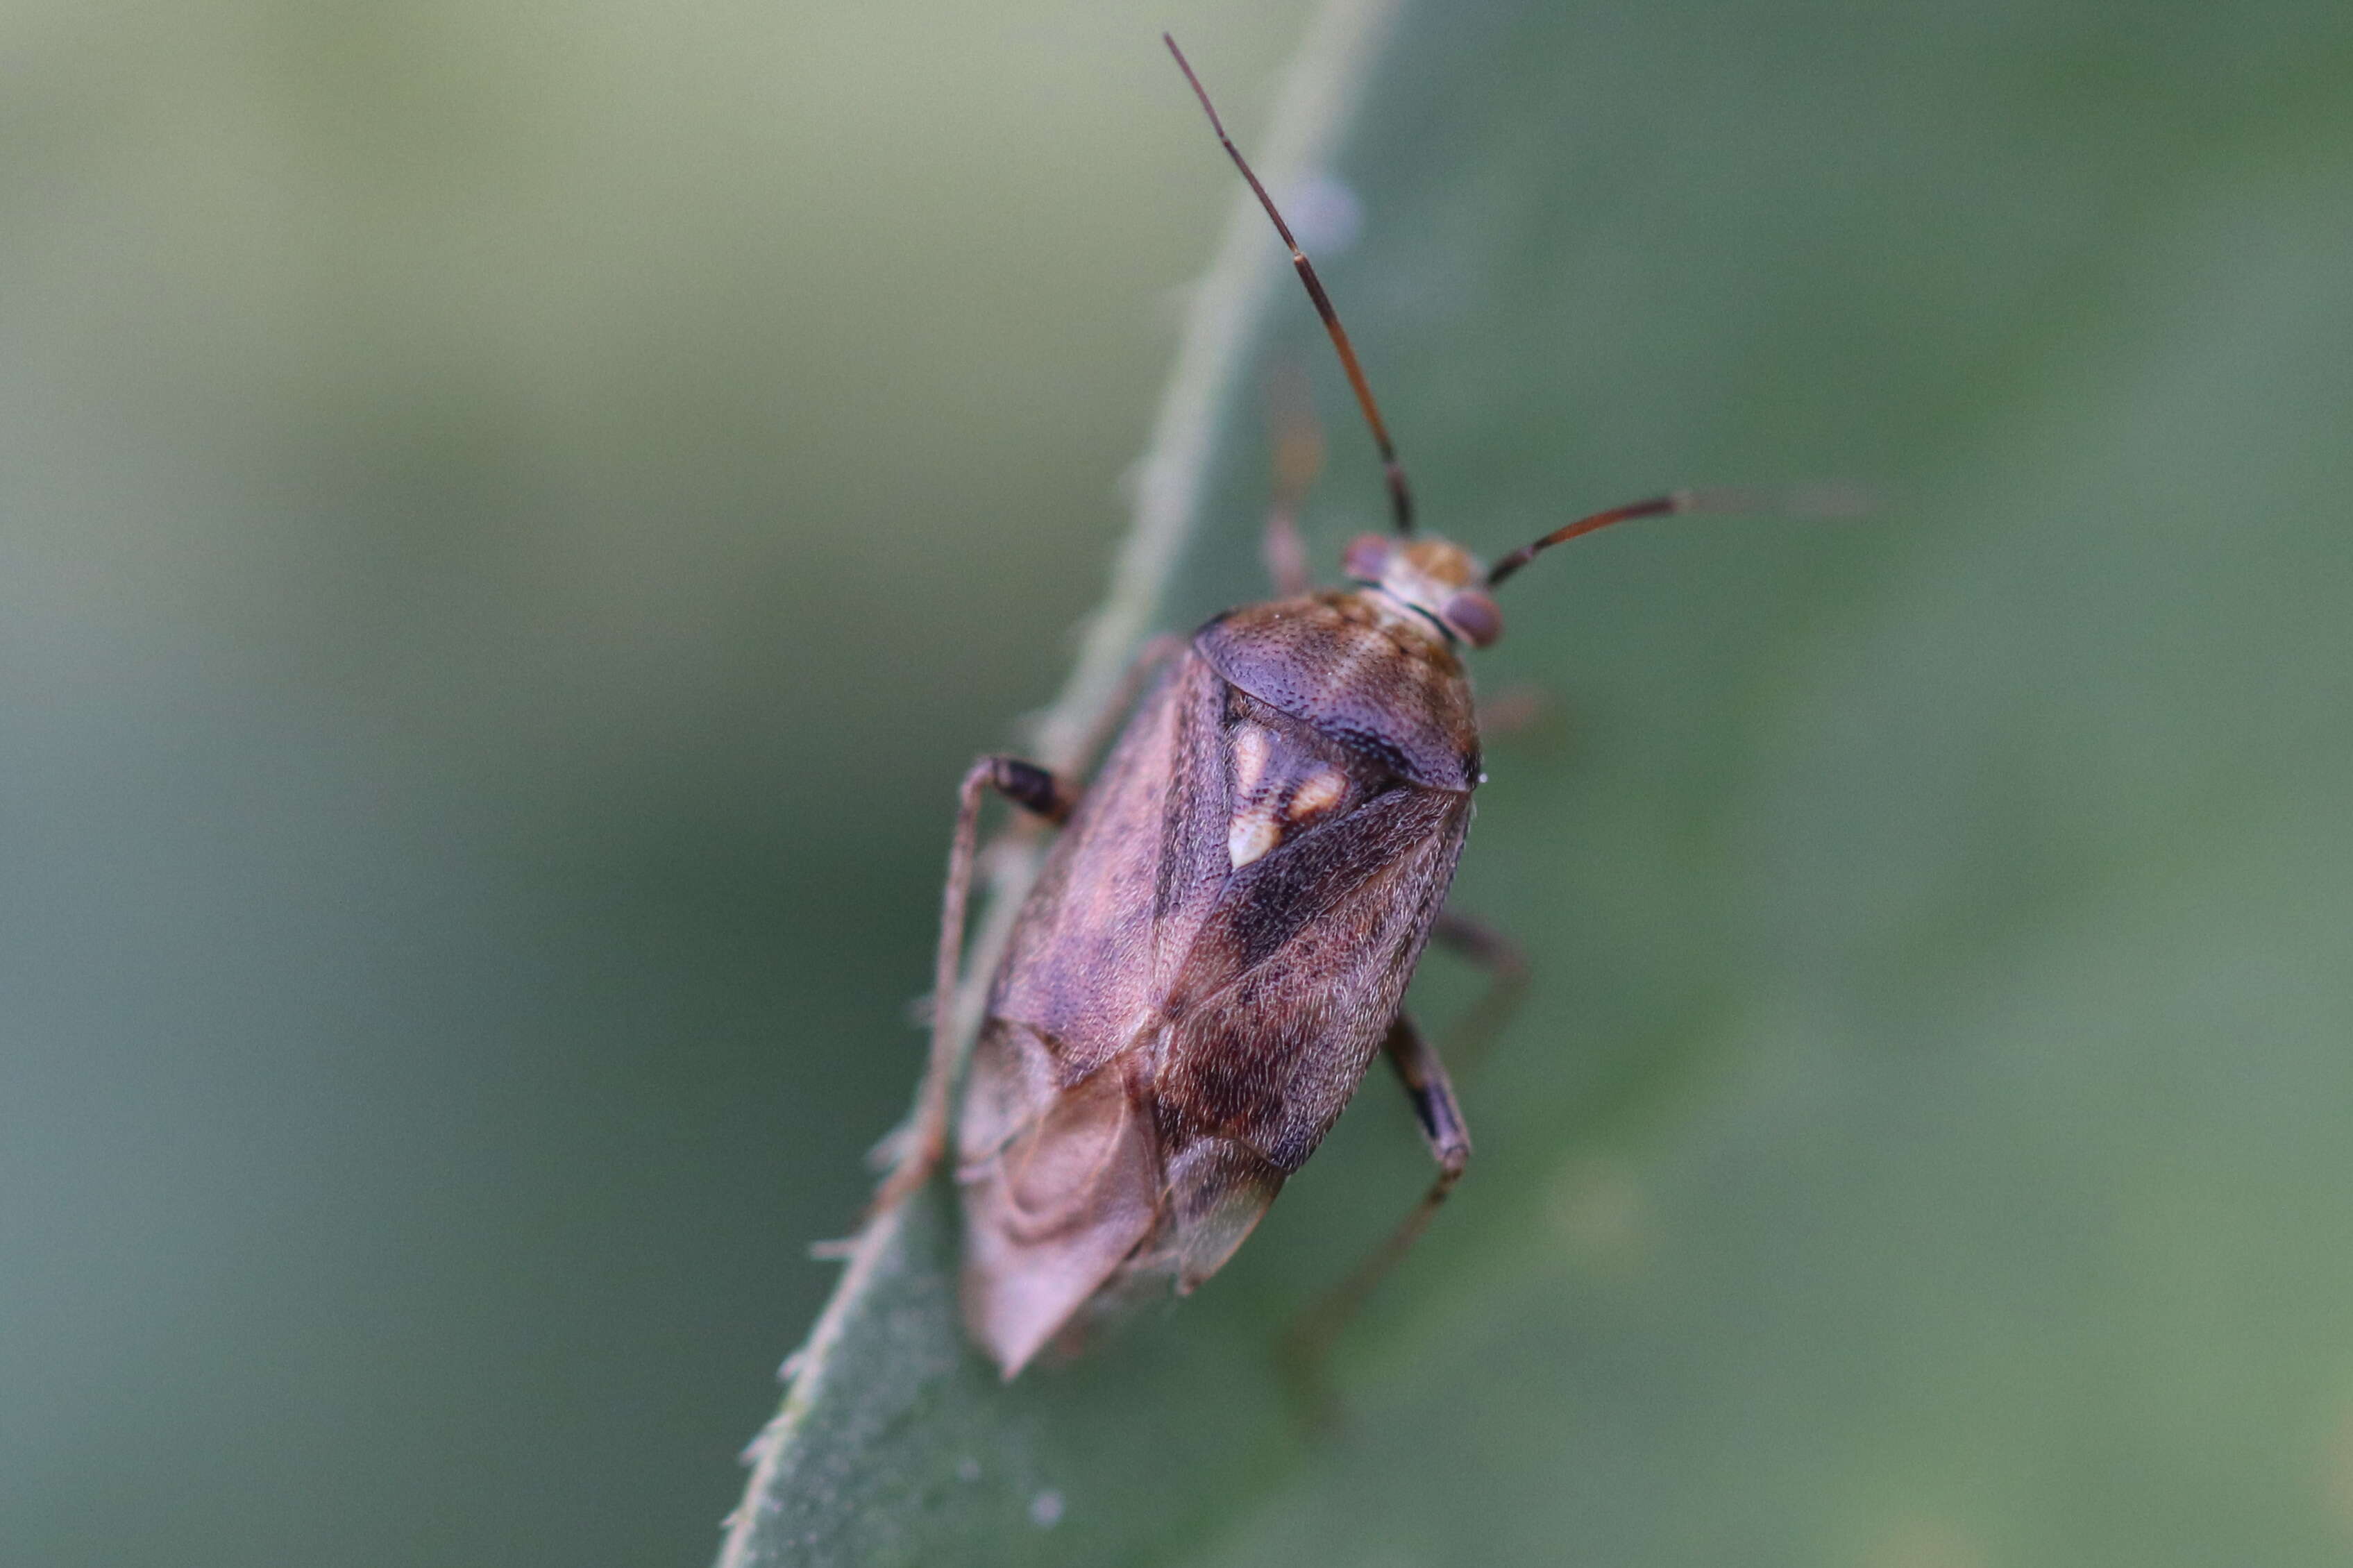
{"x": 1217, "y": 947}
{"x": 1220, "y": 940}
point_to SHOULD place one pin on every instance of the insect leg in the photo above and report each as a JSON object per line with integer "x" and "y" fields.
{"x": 1047, "y": 796}
{"x": 1517, "y": 709}
{"x": 1298, "y": 458}
{"x": 1480, "y": 944}
{"x": 1036, "y": 790}
{"x": 1426, "y": 1084}
{"x": 1432, "y": 1092}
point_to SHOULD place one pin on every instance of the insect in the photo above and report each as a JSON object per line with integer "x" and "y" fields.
{"x": 1220, "y": 942}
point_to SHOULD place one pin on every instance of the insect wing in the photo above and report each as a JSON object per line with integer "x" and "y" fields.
{"x": 1055, "y": 1210}
{"x": 1280, "y": 1009}
{"x": 1193, "y": 992}
{"x": 1284, "y": 994}
{"x": 1059, "y": 1152}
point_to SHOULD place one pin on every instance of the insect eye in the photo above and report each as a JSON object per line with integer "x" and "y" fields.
{"x": 1474, "y": 617}
{"x": 1367, "y": 558}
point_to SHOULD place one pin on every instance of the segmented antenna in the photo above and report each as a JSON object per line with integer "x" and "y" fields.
{"x": 1400, "y": 496}
{"x": 1811, "y": 500}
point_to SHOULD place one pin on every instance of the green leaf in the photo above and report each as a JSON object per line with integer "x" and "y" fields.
{"x": 1926, "y": 1142}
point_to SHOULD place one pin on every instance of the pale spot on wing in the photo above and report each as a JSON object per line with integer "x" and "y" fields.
{"x": 1253, "y": 833}
{"x": 1318, "y": 793}
{"x": 1252, "y": 747}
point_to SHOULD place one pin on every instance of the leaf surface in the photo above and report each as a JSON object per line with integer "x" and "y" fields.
{"x": 1925, "y": 1144}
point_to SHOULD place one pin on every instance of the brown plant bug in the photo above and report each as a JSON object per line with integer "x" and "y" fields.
{"x": 1220, "y": 939}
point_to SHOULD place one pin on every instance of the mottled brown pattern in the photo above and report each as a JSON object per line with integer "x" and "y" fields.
{"x": 1170, "y": 1036}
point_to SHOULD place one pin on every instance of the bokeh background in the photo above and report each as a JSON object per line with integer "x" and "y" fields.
{"x": 512, "y": 518}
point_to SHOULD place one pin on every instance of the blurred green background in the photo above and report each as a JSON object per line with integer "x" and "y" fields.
{"x": 512, "y": 520}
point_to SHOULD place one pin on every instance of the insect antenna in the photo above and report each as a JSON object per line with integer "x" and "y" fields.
{"x": 1815, "y": 501}
{"x": 1400, "y": 496}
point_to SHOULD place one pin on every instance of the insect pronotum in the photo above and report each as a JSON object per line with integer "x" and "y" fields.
{"x": 1220, "y": 942}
